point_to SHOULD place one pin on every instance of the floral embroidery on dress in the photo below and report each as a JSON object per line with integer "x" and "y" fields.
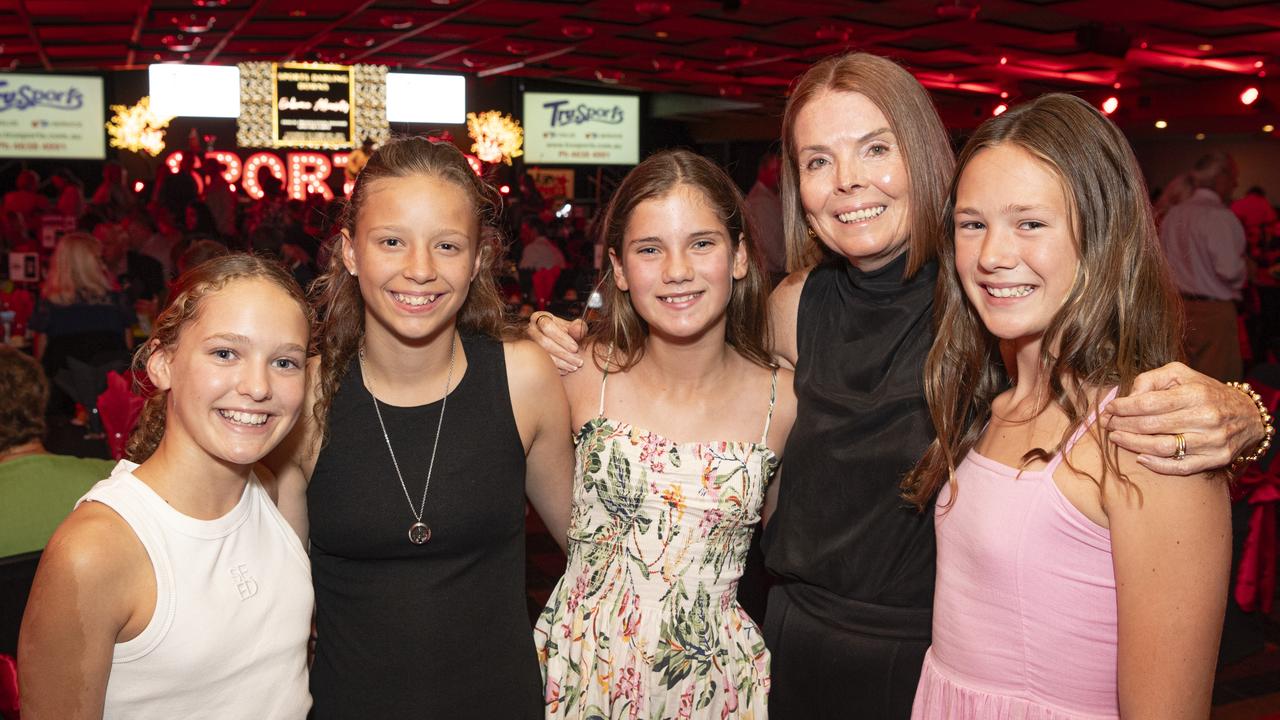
{"x": 645, "y": 622}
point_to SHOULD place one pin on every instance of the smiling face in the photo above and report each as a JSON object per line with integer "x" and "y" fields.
{"x": 678, "y": 263}
{"x": 414, "y": 254}
{"x": 1015, "y": 251}
{"x": 853, "y": 178}
{"x": 235, "y": 378}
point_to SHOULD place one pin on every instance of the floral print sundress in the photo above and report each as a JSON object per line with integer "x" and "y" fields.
{"x": 645, "y": 622}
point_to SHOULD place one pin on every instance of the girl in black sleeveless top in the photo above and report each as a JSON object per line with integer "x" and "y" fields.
{"x": 427, "y": 432}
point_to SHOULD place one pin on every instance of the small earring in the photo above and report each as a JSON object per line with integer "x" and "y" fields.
{"x": 812, "y": 235}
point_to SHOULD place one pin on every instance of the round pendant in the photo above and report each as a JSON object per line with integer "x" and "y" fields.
{"x": 419, "y": 533}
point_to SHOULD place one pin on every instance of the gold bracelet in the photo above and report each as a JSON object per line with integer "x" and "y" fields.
{"x": 1268, "y": 430}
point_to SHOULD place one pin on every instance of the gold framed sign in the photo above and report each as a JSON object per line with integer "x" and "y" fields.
{"x": 313, "y": 105}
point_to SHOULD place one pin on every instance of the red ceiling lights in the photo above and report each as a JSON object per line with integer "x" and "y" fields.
{"x": 180, "y": 42}
{"x": 653, "y": 9}
{"x": 519, "y": 48}
{"x": 194, "y": 23}
{"x": 358, "y": 41}
{"x": 1110, "y": 104}
{"x": 575, "y": 31}
{"x": 609, "y": 77}
{"x": 1249, "y": 96}
{"x": 999, "y": 109}
{"x": 832, "y": 33}
{"x": 741, "y": 50}
{"x": 396, "y": 22}
{"x": 211, "y": 3}
{"x": 665, "y": 64}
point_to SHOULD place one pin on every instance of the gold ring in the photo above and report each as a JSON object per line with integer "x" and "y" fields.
{"x": 1180, "y": 449}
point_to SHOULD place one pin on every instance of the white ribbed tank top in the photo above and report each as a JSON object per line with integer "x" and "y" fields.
{"x": 233, "y": 611}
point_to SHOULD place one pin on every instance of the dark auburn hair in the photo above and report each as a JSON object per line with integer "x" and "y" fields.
{"x": 24, "y": 393}
{"x": 339, "y": 305}
{"x": 1119, "y": 319}
{"x": 185, "y": 300}
{"x": 920, "y": 136}
{"x": 620, "y": 329}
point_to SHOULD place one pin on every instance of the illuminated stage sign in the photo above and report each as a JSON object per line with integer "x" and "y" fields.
{"x": 573, "y": 129}
{"x": 314, "y": 105}
{"x": 52, "y": 116}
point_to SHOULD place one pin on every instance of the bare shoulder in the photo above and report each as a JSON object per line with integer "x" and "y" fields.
{"x": 529, "y": 370}
{"x": 94, "y": 549}
{"x": 584, "y": 385}
{"x": 784, "y": 306}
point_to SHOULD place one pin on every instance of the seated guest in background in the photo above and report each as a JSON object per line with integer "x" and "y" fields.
{"x": 1205, "y": 246}
{"x": 80, "y": 314}
{"x": 69, "y": 196}
{"x": 37, "y": 488}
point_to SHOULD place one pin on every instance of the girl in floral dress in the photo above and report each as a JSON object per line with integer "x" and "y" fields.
{"x": 675, "y": 418}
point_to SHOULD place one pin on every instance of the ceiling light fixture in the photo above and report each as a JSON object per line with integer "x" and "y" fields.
{"x": 1161, "y": 124}
{"x": 999, "y": 109}
{"x": 1249, "y": 96}
{"x": 1110, "y": 104}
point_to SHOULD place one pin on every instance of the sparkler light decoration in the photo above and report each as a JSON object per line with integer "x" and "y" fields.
{"x": 498, "y": 137}
{"x": 137, "y": 128}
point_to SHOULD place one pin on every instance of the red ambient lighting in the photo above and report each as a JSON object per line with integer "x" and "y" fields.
{"x": 1249, "y": 96}
{"x": 999, "y": 109}
{"x": 504, "y": 189}
{"x": 1110, "y": 104}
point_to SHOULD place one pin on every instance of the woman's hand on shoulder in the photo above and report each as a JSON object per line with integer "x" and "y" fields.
{"x": 92, "y": 585}
{"x": 1216, "y": 422}
{"x": 559, "y": 339}
{"x": 784, "y": 307}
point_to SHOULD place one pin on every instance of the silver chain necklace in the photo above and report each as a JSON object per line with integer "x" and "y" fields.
{"x": 419, "y": 531}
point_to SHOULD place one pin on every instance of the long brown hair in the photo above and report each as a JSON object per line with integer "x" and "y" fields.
{"x": 921, "y": 138}
{"x": 186, "y": 297}
{"x": 747, "y": 321}
{"x": 1118, "y": 320}
{"x": 340, "y": 307}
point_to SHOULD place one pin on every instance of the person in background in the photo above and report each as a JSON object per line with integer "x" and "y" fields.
{"x": 140, "y": 276}
{"x": 80, "y": 313}
{"x": 220, "y": 199}
{"x": 357, "y": 160}
{"x": 1258, "y": 218}
{"x": 37, "y": 488}
{"x": 25, "y": 202}
{"x": 200, "y": 251}
{"x": 543, "y": 260}
{"x": 112, "y": 198}
{"x": 1205, "y": 246}
{"x": 765, "y": 205}
{"x": 68, "y": 195}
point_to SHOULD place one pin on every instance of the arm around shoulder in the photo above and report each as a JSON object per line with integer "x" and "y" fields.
{"x": 90, "y": 592}
{"x": 784, "y": 308}
{"x": 1171, "y": 549}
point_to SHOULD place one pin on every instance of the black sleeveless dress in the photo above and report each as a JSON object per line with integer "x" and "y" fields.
{"x": 430, "y": 631}
{"x": 849, "y": 621}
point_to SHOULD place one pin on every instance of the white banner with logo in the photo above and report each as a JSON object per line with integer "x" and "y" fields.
{"x": 575, "y": 129}
{"x": 52, "y": 116}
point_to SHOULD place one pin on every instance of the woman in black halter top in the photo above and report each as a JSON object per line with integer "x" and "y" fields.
{"x": 427, "y": 433}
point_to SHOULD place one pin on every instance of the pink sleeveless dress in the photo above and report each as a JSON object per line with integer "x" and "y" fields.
{"x": 1024, "y": 613}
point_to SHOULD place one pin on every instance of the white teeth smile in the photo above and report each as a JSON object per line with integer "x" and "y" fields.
{"x": 244, "y": 418}
{"x": 414, "y": 299}
{"x": 863, "y": 214}
{"x": 676, "y": 299}
{"x": 1019, "y": 291}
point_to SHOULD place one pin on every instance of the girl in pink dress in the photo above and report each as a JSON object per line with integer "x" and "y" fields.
{"x": 1072, "y": 581}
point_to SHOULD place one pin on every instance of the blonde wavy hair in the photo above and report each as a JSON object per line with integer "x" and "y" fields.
{"x": 76, "y": 271}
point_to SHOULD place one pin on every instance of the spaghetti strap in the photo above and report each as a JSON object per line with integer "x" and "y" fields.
{"x": 603, "y": 379}
{"x": 773, "y": 396}
{"x": 1079, "y": 433}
